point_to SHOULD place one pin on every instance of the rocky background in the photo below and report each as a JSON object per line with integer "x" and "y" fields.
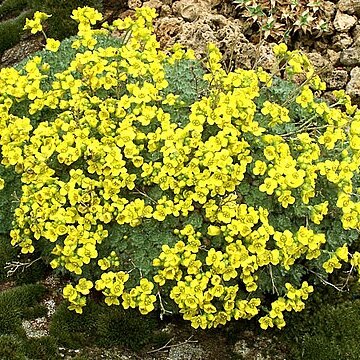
{"x": 194, "y": 23}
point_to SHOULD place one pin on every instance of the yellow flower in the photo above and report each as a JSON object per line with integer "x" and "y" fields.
{"x": 331, "y": 264}
{"x": 35, "y": 24}
{"x": 52, "y": 45}
{"x": 286, "y": 199}
{"x": 84, "y": 286}
{"x": 265, "y": 322}
{"x": 2, "y": 183}
{"x": 268, "y": 186}
{"x": 305, "y": 98}
{"x": 259, "y": 168}
{"x": 112, "y": 300}
{"x": 280, "y": 49}
{"x": 342, "y": 253}
{"x": 70, "y": 292}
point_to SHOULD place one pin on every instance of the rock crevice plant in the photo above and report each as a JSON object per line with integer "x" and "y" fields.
{"x": 281, "y": 19}
{"x": 157, "y": 181}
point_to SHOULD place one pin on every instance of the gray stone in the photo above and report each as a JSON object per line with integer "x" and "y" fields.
{"x": 165, "y": 11}
{"x": 186, "y": 352}
{"x": 333, "y": 56}
{"x": 318, "y": 61}
{"x": 350, "y": 56}
{"x": 336, "y": 79}
{"x": 349, "y": 6}
{"x": 342, "y": 41}
{"x": 356, "y": 35}
{"x": 353, "y": 87}
{"x": 133, "y": 4}
{"x": 344, "y": 22}
{"x": 156, "y": 4}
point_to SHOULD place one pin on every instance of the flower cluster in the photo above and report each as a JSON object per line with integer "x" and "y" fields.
{"x": 35, "y": 26}
{"x": 250, "y": 185}
{"x": 293, "y": 300}
{"x": 75, "y": 294}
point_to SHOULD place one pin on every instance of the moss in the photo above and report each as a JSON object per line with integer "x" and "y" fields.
{"x": 34, "y": 273}
{"x": 34, "y": 312}
{"x": 60, "y": 25}
{"x": 14, "y": 304}
{"x": 116, "y": 326}
{"x": 23, "y": 296}
{"x": 10, "y": 320}
{"x": 71, "y": 329}
{"x": 42, "y": 348}
{"x": 11, "y": 348}
{"x": 7, "y": 254}
{"x": 330, "y": 332}
{"x": 103, "y": 326}
{"x": 11, "y": 30}
{"x": 12, "y": 7}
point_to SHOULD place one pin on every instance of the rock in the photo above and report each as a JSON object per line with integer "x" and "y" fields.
{"x": 329, "y": 9}
{"x": 127, "y": 13}
{"x": 165, "y": 11}
{"x": 337, "y": 79}
{"x": 342, "y": 41}
{"x": 241, "y": 348}
{"x": 36, "y": 328}
{"x": 192, "y": 10}
{"x": 318, "y": 61}
{"x": 351, "y": 7}
{"x": 344, "y": 22}
{"x": 133, "y": 4}
{"x": 156, "y": 4}
{"x": 333, "y": 56}
{"x": 166, "y": 28}
{"x": 356, "y": 35}
{"x": 189, "y": 10}
{"x": 267, "y": 59}
{"x": 353, "y": 86}
{"x": 244, "y": 350}
{"x": 20, "y": 51}
{"x": 350, "y": 56}
{"x": 187, "y": 351}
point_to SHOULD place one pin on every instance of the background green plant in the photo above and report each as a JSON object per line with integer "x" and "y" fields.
{"x": 60, "y": 26}
{"x": 11, "y": 30}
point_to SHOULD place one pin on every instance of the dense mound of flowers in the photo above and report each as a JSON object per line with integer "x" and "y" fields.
{"x": 252, "y": 182}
